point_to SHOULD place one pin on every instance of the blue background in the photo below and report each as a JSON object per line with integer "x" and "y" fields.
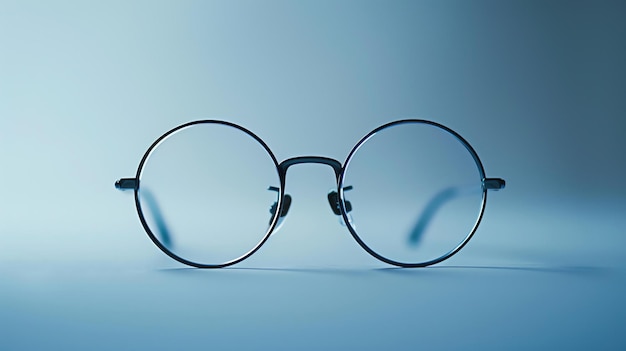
{"x": 537, "y": 87}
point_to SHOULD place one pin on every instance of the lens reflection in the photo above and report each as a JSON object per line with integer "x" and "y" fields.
{"x": 203, "y": 193}
{"x": 416, "y": 192}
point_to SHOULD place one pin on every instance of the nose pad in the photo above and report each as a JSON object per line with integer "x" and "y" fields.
{"x": 283, "y": 212}
{"x": 333, "y": 201}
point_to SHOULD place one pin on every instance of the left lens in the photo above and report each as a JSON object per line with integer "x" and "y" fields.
{"x": 203, "y": 193}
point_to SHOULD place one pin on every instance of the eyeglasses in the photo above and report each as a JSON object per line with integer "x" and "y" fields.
{"x": 411, "y": 192}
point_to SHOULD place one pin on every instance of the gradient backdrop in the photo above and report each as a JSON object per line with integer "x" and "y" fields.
{"x": 537, "y": 87}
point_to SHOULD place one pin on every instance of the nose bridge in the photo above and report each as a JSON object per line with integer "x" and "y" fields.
{"x": 336, "y": 165}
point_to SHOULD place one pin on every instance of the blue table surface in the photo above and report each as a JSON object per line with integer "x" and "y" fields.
{"x": 556, "y": 284}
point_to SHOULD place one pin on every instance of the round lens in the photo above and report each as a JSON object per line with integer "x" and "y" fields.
{"x": 413, "y": 192}
{"x": 204, "y": 193}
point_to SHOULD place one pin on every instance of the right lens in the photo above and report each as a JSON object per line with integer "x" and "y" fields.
{"x": 416, "y": 193}
{"x": 203, "y": 193}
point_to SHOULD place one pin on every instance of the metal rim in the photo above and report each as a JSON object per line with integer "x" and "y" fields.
{"x": 144, "y": 223}
{"x": 342, "y": 201}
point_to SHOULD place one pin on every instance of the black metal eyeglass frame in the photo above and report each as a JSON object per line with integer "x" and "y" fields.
{"x": 336, "y": 199}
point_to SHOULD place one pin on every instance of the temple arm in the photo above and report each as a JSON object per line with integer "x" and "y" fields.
{"x": 493, "y": 184}
{"x": 126, "y": 184}
{"x": 440, "y": 199}
{"x": 148, "y": 198}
